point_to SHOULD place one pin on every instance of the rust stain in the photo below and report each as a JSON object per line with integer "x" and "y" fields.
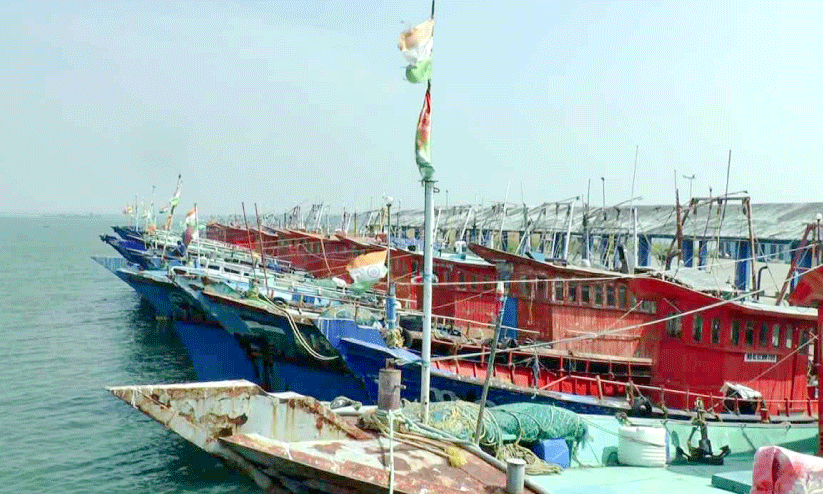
{"x": 329, "y": 448}
{"x": 324, "y": 415}
{"x": 242, "y": 419}
{"x": 401, "y": 465}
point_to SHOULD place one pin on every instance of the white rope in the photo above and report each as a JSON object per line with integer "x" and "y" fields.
{"x": 391, "y": 451}
{"x": 298, "y": 336}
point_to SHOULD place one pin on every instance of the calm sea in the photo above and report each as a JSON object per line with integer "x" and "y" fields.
{"x": 68, "y": 328}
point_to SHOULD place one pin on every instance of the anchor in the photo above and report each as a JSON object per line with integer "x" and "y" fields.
{"x": 703, "y": 452}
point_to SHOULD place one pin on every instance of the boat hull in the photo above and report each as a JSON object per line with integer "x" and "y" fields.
{"x": 155, "y": 290}
{"x": 218, "y": 354}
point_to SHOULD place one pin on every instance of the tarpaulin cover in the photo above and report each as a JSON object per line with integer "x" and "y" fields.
{"x": 779, "y": 470}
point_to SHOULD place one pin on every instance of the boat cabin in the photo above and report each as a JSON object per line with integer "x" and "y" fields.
{"x": 703, "y": 342}
{"x": 560, "y": 303}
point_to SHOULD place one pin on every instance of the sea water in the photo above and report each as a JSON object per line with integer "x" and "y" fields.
{"x": 68, "y": 328}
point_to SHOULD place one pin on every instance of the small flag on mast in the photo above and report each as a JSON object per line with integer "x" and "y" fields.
{"x": 368, "y": 268}
{"x": 191, "y": 233}
{"x": 175, "y": 200}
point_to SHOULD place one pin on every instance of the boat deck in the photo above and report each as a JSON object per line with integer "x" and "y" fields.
{"x": 694, "y": 479}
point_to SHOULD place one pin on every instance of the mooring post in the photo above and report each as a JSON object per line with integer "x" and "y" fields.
{"x": 515, "y": 475}
{"x": 388, "y": 389}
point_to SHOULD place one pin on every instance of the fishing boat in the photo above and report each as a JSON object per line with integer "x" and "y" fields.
{"x": 322, "y": 256}
{"x": 287, "y": 442}
{"x": 314, "y": 449}
{"x": 289, "y": 345}
{"x": 609, "y": 334}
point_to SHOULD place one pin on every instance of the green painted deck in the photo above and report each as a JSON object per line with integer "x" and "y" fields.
{"x": 737, "y": 482}
{"x": 593, "y": 477}
{"x": 626, "y": 480}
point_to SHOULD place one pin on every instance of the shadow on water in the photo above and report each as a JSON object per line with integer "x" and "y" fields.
{"x": 156, "y": 352}
{"x": 194, "y": 468}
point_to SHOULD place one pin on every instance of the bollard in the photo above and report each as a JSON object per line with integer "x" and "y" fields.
{"x": 388, "y": 389}
{"x": 515, "y": 475}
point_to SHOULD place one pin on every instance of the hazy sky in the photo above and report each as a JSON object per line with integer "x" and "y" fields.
{"x": 286, "y": 103}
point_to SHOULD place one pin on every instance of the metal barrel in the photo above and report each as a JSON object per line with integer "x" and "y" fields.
{"x": 388, "y": 389}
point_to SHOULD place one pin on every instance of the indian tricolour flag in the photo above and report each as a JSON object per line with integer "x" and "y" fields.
{"x": 175, "y": 199}
{"x": 368, "y": 268}
{"x": 422, "y": 140}
{"x": 192, "y": 232}
{"x": 416, "y": 45}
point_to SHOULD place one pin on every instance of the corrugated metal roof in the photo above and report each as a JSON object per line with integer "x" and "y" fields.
{"x": 776, "y": 221}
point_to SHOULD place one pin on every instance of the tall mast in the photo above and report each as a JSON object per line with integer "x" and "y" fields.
{"x": 632, "y": 211}
{"x": 428, "y": 234}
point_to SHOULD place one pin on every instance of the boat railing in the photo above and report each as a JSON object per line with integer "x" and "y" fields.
{"x": 781, "y": 407}
{"x": 786, "y": 406}
{"x": 447, "y": 321}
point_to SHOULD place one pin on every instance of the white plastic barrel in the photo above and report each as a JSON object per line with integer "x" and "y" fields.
{"x": 641, "y": 446}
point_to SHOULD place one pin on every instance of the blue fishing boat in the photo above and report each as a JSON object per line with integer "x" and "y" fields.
{"x": 266, "y": 343}
{"x": 264, "y": 329}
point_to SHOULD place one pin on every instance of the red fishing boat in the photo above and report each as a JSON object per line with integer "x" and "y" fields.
{"x": 615, "y": 335}
{"x": 320, "y": 255}
{"x": 463, "y": 292}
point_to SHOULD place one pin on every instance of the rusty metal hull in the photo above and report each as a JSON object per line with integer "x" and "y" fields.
{"x": 291, "y": 443}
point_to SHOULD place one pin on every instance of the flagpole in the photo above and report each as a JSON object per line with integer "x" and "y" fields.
{"x": 262, "y": 252}
{"x": 428, "y": 234}
{"x": 425, "y": 362}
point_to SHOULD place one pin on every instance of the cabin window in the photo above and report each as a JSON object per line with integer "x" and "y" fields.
{"x": 735, "y": 333}
{"x": 584, "y": 294}
{"x": 558, "y": 291}
{"x": 763, "y": 340}
{"x": 648, "y": 306}
{"x": 805, "y": 341}
{"x": 622, "y": 296}
{"x": 610, "y": 295}
{"x": 776, "y": 336}
{"x": 525, "y": 286}
{"x": 473, "y": 286}
{"x": 414, "y": 267}
{"x": 715, "y": 331}
{"x": 750, "y": 333}
{"x": 674, "y": 327}
{"x": 462, "y": 280}
{"x": 572, "y": 292}
{"x": 547, "y": 291}
{"x": 789, "y": 335}
{"x": 697, "y": 328}
{"x": 598, "y": 295}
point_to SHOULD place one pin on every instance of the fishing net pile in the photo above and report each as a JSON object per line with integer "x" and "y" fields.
{"x": 504, "y": 431}
{"x": 364, "y": 317}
